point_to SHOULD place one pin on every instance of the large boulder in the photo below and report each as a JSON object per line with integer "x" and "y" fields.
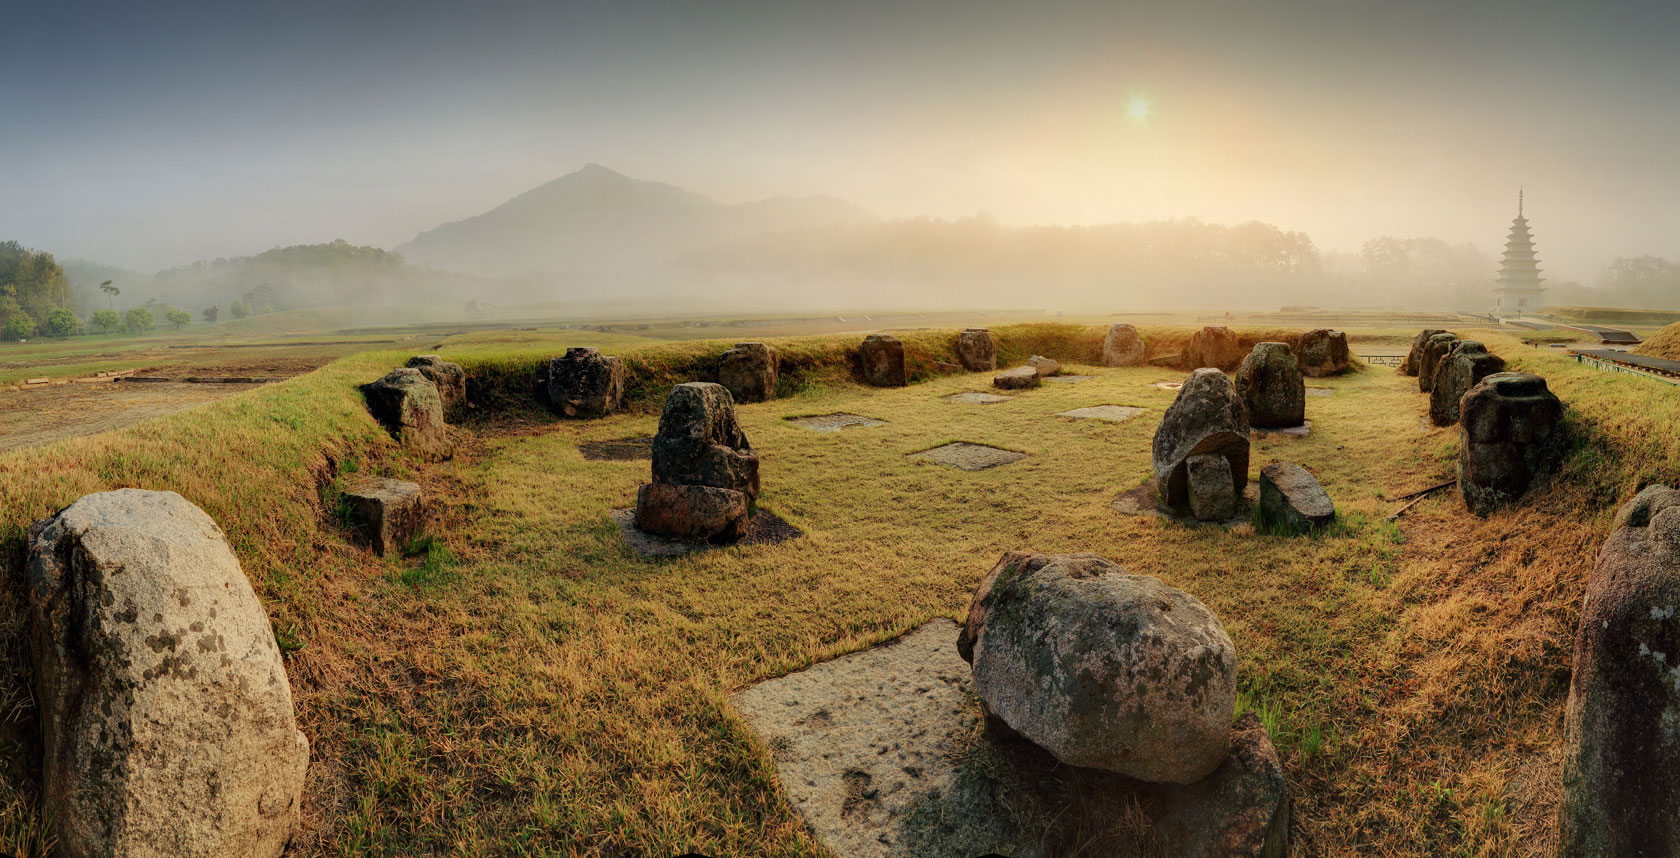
{"x": 1323, "y": 353}
{"x": 449, "y": 379}
{"x": 1122, "y": 346}
{"x": 1102, "y": 668}
{"x": 167, "y": 725}
{"x": 1510, "y": 433}
{"x": 407, "y": 404}
{"x": 1207, "y": 418}
{"x": 1621, "y": 763}
{"x": 881, "y": 358}
{"x": 1463, "y": 368}
{"x": 585, "y": 383}
{"x": 1270, "y": 384}
{"x": 749, "y": 372}
{"x": 1414, "y": 358}
{"x": 1436, "y": 348}
{"x": 1291, "y": 499}
{"x": 1045, "y": 367}
{"x": 1215, "y": 347}
{"x": 976, "y": 351}
{"x": 699, "y": 444}
{"x": 388, "y": 513}
{"x": 1019, "y": 378}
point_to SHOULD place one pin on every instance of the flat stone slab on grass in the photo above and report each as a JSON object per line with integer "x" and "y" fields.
{"x": 834, "y": 422}
{"x": 1069, "y": 379}
{"x": 1110, "y": 413}
{"x": 1300, "y": 431}
{"x": 1321, "y": 391}
{"x": 969, "y": 457}
{"x": 1145, "y": 501}
{"x": 620, "y": 450}
{"x": 1168, "y": 385}
{"x": 765, "y": 528}
{"x": 976, "y": 398}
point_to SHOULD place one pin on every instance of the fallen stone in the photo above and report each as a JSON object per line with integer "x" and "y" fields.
{"x": 976, "y": 351}
{"x": 975, "y": 398}
{"x": 1207, "y": 418}
{"x": 1463, "y": 368}
{"x": 1109, "y": 413}
{"x": 748, "y": 371}
{"x": 1291, "y": 499}
{"x": 166, "y": 715}
{"x": 1323, "y": 353}
{"x": 1436, "y": 348}
{"x": 1414, "y": 358}
{"x": 1215, "y": 347}
{"x": 834, "y": 422}
{"x": 1045, "y": 367}
{"x": 1510, "y": 434}
{"x": 387, "y": 513}
{"x": 1019, "y": 378}
{"x": 882, "y": 359}
{"x": 584, "y": 383}
{"x": 1122, "y": 346}
{"x": 1270, "y": 384}
{"x": 969, "y": 457}
{"x": 408, "y": 406}
{"x": 449, "y": 379}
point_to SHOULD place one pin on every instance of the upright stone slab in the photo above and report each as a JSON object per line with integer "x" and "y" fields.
{"x": 1414, "y": 358}
{"x": 705, "y": 473}
{"x": 584, "y": 383}
{"x": 1207, "y": 418}
{"x": 1215, "y": 347}
{"x": 976, "y": 351}
{"x": 388, "y": 513}
{"x": 407, "y": 404}
{"x": 1436, "y": 348}
{"x": 749, "y": 372}
{"x": 1510, "y": 433}
{"x": 1463, "y": 368}
{"x": 1213, "y": 496}
{"x": 166, "y": 716}
{"x": 1621, "y": 762}
{"x": 882, "y": 361}
{"x": 1270, "y": 384}
{"x": 449, "y": 379}
{"x": 1292, "y": 500}
{"x": 1323, "y": 353}
{"x": 1122, "y": 346}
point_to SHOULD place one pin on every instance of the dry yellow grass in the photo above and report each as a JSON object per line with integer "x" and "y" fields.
{"x": 1664, "y": 343}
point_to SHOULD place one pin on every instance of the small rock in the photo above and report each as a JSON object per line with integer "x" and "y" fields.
{"x": 388, "y": 513}
{"x": 1436, "y": 348}
{"x": 584, "y": 383}
{"x": 882, "y": 359}
{"x": 1122, "y": 346}
{"x": 1292, "y": 500}
{"x": 1323, "y": 353}
{"x": 1215, "y": 347}
{"x": 1207, "y": 418}
{"x": 409, "y": 407}
{"x": 1510, "y": 433}
{"x": 1019, "y": 378}
{"x": 1044, "y": 366}
{"x": 1463, "y": 368}
{"x": 976, "y": 351}
{"x": 449, "y": 379}
{"x": 1270, "y": 384}
{"x": 749, "y": 372}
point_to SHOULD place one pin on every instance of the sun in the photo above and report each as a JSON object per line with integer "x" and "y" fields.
{"x": 1138, "y": 109}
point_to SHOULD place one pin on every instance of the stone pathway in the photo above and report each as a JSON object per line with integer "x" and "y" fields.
{"x": 969, "y": 457}
{"x": 765, "y": 528}
{"x": 977, "y": 398}
{"x": 1109, "y": 413}
{"x": 834, "y": 422}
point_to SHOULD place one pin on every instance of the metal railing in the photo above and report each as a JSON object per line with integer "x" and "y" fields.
{"x": 1612, "y": 366}
{"x": 1383, "y": 360}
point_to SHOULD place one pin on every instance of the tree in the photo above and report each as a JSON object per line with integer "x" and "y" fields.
{"x": 61, "y": 323}
{"x": 178, "y": 318}
{"x": 139, "y": 319}
{"x": 240, "y": 310}
{"x": 19, "y": 326}
{"x": 111, "y": 293}
{"x": 106, "y": 320}
{"x": 212, "y": 312}
{"x": 33, "y": 279}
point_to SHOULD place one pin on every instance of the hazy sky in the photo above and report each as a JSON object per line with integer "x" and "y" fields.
{"x": 152, "y": 134}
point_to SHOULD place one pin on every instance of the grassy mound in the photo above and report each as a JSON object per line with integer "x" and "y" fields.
{"x": 1663, "y": 344}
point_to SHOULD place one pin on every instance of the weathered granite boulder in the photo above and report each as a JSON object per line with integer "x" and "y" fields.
{"x": 1239, "y": 811}
{"x": 695, "y": 513}
{"x": 1213, "y": 496}
{"x": 1270, "y": 384}
{"x": 407, "y": 404}
{"x": 585, "y": 383}
{"x": 1215, "y": 347}
{"x": 699, "y": 444}
{"x": 1510, "y": 433}
{"x": 1436, "y": 348}
{"x": 1323, "y": 353}
{"x": 1292, "y": 500}
{"x": 388, "y": 513}
{"x": 1463, "y": 368}
{"x": 449, "y": 379}
{"x": 1122, "y": 346}
{"x": 1207, "y": 418}
{"x": 1414, "y": 358}
{"x": 882, "y": 359}
{"x": 1044, "y": 366}
{"x": 1621, "y": 764}
{"x": 1102, "y": 668}
{"x": 166, "y": 716}
{"x": 749, "y": 372}
{"x": 1019, "y": 378}
{"x": 976, "y": 351}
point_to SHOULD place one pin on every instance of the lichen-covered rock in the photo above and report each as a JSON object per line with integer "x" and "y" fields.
{"x": 692, "y": 513}
{"x": 1122, "y": 346}
{"x": 1510, "y": 433}
{"x": 699, "y": 444}
{"x": 976, "y": 351}
{"x": 1019, "y": 378}
{"x": 585, "y": 383}
{"x": 1102, "y": 668}
{"x": 166, "y": 716}
{"x": 1621, "y": 764}
{"x": 1239, "y": 811}
{"x": 749, "y": 372}
{"x": 449, "y": 379}
{"x": 1463, "y": 368}
{"x": 1323, "y": 353}
{"x": 1434, "y": 350}
{"x": 1045, "y": 367}
{"x": 1292, "y": 500}
{"x": 881, "y": 357}
{"x": 388, "y": 513}
{"x": 407, "y": 404}
{"x": 1414, "y": 358}
{"x": 1212, "y": 493}
{"x": 1207, "y": 418}
{"x": 1272, "y": 389}
{"x": 1215, "y": 347}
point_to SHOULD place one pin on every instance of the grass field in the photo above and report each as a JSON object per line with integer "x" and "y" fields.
{"x": 526, "y": 686}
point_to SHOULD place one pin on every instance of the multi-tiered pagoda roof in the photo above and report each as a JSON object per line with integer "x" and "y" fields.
{"x": 1519, "y": 287}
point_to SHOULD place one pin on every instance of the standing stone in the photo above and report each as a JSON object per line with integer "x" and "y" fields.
{"x": 1123, "y": 346}
{"x": 1270, "y": 384}
{"x": 1102, "y": 668}
{"x": 882, "y": 359}
{"x": 585, "y": 383}
{"x": 409, "y": 407}
{"x": 1621, "y": 762}
{"x": 976, "y": 351}
{"x": 1414, "y": 358}
{"x": 449, "y": 379}
{"x": 1212, "y": 491}
{"x": 1291, "y": 499}
{"x": 1019, "y": 378}
{"x": 1463, "y": 368}
{"x": 166, "y": 716}
{"x": 1215, "y": 347}
{"x": 1436, "y": 348}
{"x": 1207, "y": 418}
{"x": 1323, "y": 353}
{"x": 1045, "y": 367}
{"x": 705, "y": 474}
{"x": 1510, "y": 433}
{"x": 749, "y": 371}
{"x": 388, "y": 513}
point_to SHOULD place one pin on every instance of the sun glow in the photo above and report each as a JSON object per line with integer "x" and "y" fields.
{"x": 1138, "y": 109}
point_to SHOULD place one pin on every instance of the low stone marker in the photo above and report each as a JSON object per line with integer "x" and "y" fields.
{"x": 749, "y": 372}
{"x": 882, "y": 360}
{"x": 1323, "y": 353}
{"x": 1292, "y": 500}
{"x": 1045, "y": 367}
{"x": 1414, "y": 358}
{"x": 584, "y": 383}
{"x": 407, "y": 404}
{"x": 1207, "y": 419}
{"x": 1463, "y": 368}
{"x": 449, "y": 379}
{"x": 1434, "y": 349}
{"x": 1122, "y": 346}
{"x": 969, "y": 457}
{"x": 834, "y": 422}
{"x": 1621, "y": 755}
{"x": 976, "y": 398}
{"x": 1270, "y": 384}
{"x": 1215, "y": 347}
{"x": 1108, "y": 413}
{"x": 388, "y": 513}
{"x": 976, "y": 351}
{"x": 1510, "y": 433}
{"x": 166, "y": 715}
{"x": 705, "y": 473}
{"x": 1019, "y": 378}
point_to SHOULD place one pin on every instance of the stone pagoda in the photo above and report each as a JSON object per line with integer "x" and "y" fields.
{"x": 1518, "y": 291}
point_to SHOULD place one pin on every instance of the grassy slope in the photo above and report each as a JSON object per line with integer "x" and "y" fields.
{"x": 548, "y": 693}
{"x": 1664, "y": 343}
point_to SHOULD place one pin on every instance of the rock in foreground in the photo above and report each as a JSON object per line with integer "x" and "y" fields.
{"x": 1292, "y": 500}
{"x": 449, "y": 379}
{"x": 976, "y": 351}
{"x": 1510, "y": 433}
{"x": 1270, "y": 384}
{"x": 1123, "y": 346}
{"x": 749, "y": 372}
{"x": 388, "y": 513}
{"x": 881, "y": 358}
{"x": 705, "y": 474}
{"x": 584, "y": 383}
{"x": 407, "y": 404}
{"x": 166, "y": 714}
{"x": 1207, "y": 419}
{"x": 1323, "y": 353}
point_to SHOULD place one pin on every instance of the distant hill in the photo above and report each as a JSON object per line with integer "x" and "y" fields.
{"x": 596, "y": 225}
